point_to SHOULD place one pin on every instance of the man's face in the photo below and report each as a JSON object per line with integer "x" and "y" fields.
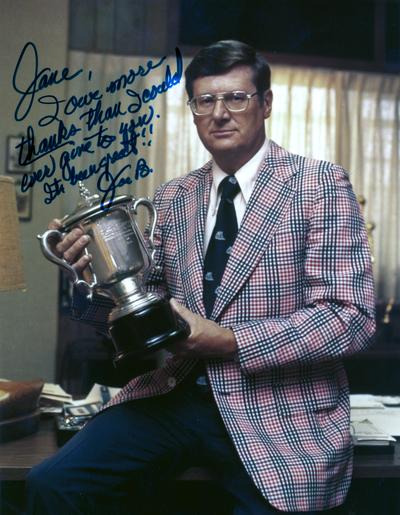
{"x": 232, "y": 138}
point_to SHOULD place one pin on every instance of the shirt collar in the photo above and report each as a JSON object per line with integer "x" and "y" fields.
{"x": 246, "y": 175}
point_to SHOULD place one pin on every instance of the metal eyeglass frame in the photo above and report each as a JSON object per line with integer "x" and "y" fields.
{"x": 220, "y": 96}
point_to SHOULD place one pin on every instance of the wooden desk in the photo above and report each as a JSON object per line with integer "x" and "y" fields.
{"x": 19, "y": 456}
{"x": 377, "y": 465}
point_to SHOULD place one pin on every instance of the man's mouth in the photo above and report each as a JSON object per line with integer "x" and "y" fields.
{"x": 222, "y": 132}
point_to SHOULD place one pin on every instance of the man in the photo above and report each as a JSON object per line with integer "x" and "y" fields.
{"x": 272, "y": 272}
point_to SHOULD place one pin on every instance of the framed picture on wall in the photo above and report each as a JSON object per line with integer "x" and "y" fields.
{"x": 12, "y": 155}
{"x": 24, "y": 202}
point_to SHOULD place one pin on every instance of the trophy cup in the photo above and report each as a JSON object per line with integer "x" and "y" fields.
{"x": 140, "y": 322}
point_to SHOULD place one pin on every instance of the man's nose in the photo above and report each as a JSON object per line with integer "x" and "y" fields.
{"x": 220, "y": 111}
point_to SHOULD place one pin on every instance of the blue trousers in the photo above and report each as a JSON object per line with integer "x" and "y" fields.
{"x": 116, "y": 462}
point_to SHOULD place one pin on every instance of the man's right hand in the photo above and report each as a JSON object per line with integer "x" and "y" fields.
{"x": 71, "y": 246}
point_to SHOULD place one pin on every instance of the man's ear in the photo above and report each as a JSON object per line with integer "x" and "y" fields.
{"x": 268, "y": 96}
{"x": 195, "y": 118}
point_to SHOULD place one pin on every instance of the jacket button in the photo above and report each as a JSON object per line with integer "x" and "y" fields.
{"x": 171, "y": 382}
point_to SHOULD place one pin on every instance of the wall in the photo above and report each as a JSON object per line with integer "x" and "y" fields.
{"x": 28, "y": 320}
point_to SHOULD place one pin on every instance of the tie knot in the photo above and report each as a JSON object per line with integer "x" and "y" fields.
{"x": 229, "y": 188}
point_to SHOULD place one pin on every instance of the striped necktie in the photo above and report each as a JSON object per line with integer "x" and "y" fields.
{"x": 222, "y": 239}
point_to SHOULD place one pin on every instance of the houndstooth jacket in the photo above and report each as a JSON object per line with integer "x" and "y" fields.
{"x": 298, "y": 294}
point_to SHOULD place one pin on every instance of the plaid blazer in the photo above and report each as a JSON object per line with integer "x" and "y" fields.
{"x": 298, "y": 294}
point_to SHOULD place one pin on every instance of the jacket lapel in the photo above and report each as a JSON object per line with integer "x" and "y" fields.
{"x": 266, "y": 207}
{"x": 189, "y": 214}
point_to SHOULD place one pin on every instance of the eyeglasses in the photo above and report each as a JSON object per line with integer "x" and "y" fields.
{"x": 234, "y": 101}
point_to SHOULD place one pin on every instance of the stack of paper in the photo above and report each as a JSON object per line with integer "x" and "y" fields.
{"x": 54, "y": 392}
{"x": 364, "y": 432}
{"x": 98, "y": 393}
{"x": 375, "y": 421}
{"x": 53, "y": 397}
{"x": 365, "y": 401}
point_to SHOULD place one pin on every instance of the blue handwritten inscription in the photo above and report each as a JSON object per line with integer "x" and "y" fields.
{"x": 107, "y": 183}
{"x": 41, "y": 79}
{"x": 89, "y": 133}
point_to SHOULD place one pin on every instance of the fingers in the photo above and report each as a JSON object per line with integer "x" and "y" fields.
{"x": 72, "y": 246}
{"x": 82, "y": 263}
{"x": 188, "y": 316}
{"x": 55, "y": 224}
{"x": 182, "y": 349}
{"x": 185, "y": 313}
{"x": 186, "y": 348}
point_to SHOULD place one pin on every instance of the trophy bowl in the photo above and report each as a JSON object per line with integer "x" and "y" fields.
{"x": 141, "y": 322}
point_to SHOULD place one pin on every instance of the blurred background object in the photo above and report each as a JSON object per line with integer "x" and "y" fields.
{"x": 11, "y": 269}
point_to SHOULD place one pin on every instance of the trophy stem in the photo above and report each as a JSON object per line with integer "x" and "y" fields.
{"x": 124, "y": 290}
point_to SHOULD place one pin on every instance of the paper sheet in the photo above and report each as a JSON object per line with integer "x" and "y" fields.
{"x": 387, "y": 419}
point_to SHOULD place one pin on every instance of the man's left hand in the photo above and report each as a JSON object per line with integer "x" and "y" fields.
{"x": 206, "y": 340}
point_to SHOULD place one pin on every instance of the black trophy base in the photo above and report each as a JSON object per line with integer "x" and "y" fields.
{"x": 146, "y": 330}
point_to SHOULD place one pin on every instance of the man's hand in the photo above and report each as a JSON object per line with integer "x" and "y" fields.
{"x": 72, "y": 246}
{"x": 206, "y": 340}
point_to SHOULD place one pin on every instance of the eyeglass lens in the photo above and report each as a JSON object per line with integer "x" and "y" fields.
{"x": 234, "y": 101}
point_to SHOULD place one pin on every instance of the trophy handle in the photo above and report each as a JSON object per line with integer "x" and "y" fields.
{"x": 63, "y": 263}
{"x": 153, "y": 221}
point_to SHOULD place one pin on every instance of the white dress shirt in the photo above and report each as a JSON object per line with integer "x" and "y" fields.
{"x": 246, "y": 177}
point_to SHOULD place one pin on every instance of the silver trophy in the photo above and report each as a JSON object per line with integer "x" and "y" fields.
{"x": 140, "y": 322}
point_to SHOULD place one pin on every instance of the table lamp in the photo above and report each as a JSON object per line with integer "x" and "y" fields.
{"x": 19, "y": 414}
{"x": 11, "y": 271}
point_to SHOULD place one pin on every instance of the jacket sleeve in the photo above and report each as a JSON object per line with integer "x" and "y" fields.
{"x": 337, "y": 318}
